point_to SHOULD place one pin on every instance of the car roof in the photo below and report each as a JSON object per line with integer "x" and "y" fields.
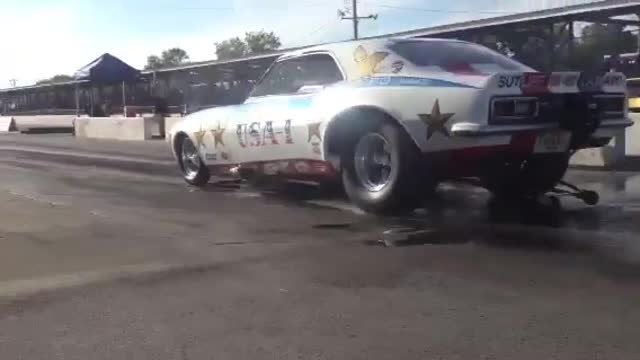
{"x": 352, "y": 44}
{"x": 346, "y": 52}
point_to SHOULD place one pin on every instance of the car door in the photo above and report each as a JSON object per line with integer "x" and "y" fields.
{"x": 280, "y": 107}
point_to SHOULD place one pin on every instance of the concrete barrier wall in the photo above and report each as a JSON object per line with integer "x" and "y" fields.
{"x": 7, "y": 124}
{"x": 169, "y": 123}
{"x": 34, "y": 122}
{"x": 624, "y": 146}
{"x": 155, "y": 125}
{"x": 117, "y": 128}
{"x": 632, "y": 145}
{"x": 605, "y": 157}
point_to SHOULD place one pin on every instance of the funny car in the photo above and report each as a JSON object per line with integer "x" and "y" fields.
{"x": 391, "y": 118}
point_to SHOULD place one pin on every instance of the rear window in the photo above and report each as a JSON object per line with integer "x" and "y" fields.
{"x": 452, "y": 54}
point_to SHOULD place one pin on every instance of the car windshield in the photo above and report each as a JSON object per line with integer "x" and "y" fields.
{"x": 447, "y": 54}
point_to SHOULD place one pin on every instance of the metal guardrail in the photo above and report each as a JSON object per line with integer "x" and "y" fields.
{"x": 41, "y": 112}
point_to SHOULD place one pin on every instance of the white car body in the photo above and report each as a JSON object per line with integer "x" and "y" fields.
{"x": 442, "y": 109}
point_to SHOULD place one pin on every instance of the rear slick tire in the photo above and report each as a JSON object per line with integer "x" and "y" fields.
{"x": 402, "y": 189}
{"x": 531, "y": 178}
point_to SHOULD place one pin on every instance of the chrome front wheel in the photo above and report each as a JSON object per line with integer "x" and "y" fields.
{"x": 195, "y": 172}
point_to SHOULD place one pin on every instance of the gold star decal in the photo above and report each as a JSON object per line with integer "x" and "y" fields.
{"x": 217, "y": 136}
{"x": 314, "y": 130}
{"x": 435, "y": 121}
{"x": 199, "y": 135}
{"x": 368, "y": 63}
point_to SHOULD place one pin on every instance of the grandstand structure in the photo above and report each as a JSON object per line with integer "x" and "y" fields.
{"x": 552, "y": 24}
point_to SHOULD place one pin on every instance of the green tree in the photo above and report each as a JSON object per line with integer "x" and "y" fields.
{"x": 174, "y": 56}
{"x": 598, "y": 40}
{"x": 261, "y": 41}
{"x": 61, "y": 78}
{"x": 169, "y": 57}
{"x": 153, "y": 62}
{"x": 231, "y": 49}
{"x": 254, "y": 43}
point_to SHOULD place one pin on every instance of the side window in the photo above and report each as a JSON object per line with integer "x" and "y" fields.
{"x": 288, "y": 76}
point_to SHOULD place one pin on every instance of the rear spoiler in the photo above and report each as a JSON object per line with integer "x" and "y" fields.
{"x": 521, "y": 83}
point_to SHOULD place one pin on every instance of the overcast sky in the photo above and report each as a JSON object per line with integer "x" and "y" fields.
{"x": 41, "y": 38}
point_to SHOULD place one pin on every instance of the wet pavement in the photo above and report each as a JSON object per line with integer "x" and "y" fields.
{"x": 105, "y": 264}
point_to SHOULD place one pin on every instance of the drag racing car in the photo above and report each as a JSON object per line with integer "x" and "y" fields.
{"x": 391, "y": 118}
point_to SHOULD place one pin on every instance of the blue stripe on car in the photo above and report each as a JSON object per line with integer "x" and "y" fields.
{"x": 300, "y": 102}
{"x": 409, "y": 81}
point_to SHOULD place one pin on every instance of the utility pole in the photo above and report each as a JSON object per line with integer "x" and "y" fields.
{"x": 354, "y": 17}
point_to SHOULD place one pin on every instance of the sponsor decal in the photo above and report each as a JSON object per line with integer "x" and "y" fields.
{"x": 289, "y": 167}
{"x": 570, "y": 80}
{"x": 535, "y": 83}
{"x": 510, "y": 81}
{"x": 271, "y": 168}
{"x": 408, "y": 81}
{"x": 613, "y": 80}
{"x": 263, "y": 134}
{"x": 302, "y": 167}
{"x": 591, "y": 82}
{"x": 436, "y": 121}
{"x": 555, "y": 80}
{"x": 210, "y": 156}
{"x": 397, "y": 66}
{"x": 283, "y": 166}
{"x": 368, "y": 63}
{"x": 379, "y": 81}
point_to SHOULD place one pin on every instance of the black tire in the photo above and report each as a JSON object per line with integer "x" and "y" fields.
{"x": 406, "y": 183}
{"x": 532, "y": 177}
{"x": 199, "y": 177}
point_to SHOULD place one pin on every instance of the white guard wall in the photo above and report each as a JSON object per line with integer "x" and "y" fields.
{"x": 119, "y": 128}
{"x": 26, "y": 123}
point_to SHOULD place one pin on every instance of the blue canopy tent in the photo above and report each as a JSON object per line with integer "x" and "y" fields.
{"x": 103, "y": 71}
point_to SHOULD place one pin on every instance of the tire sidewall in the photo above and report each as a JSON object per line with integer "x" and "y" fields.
{"x": 536, "y": 176}
{"x": 403, "y": 180}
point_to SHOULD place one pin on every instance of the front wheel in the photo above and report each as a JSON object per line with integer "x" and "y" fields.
{"x": 382, "y": 171}
{"x": 195, "y": 171}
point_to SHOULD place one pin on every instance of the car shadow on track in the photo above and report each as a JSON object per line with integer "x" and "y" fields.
{"x": 454, "y": 215}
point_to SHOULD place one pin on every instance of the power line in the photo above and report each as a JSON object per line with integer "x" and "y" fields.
{"x": 315, "y": 31}
{"x": 267, "y": 7}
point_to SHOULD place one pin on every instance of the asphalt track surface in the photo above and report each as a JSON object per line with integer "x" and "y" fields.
{"x": 106, "y": 263}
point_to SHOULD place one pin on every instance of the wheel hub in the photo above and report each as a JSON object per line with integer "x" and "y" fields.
{"x": 190, "y": 158}
{"x": 373, "y": 162}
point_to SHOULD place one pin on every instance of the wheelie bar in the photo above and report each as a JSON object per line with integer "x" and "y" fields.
{"x": 589, "y": 197}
